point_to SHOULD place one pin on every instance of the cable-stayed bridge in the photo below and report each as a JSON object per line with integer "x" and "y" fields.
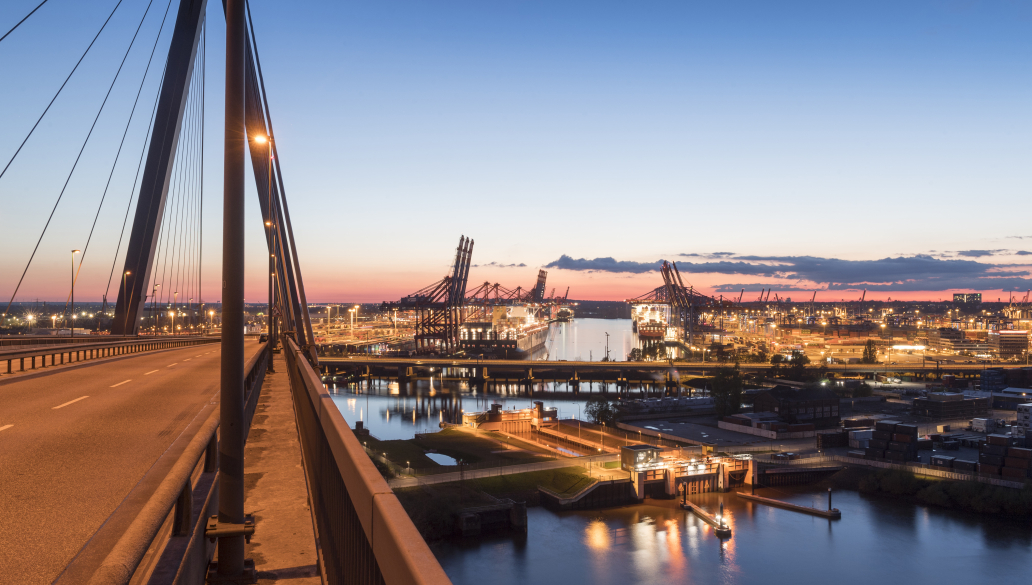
{"x": 124, "y": 456}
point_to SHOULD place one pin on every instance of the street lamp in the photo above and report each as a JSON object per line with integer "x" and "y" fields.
{"x": 173, "y": 315}
{"x": 74, "y": 252}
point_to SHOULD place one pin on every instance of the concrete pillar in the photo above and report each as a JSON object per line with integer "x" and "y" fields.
{"x": 671, "y": 483}
{"x": 638, "y": 482}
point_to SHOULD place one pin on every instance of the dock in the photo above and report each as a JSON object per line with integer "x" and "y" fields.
{"x": 722, "y": 530}
{"x": 832, "y": 514}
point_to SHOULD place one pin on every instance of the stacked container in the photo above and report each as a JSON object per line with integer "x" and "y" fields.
{"x": 880, "y": 438}
{"x": 1017, "y": 463}
{"x": 831, "y": 440}
{"x": 861, "y": 438}
{"x": 991, "y": 455}
{"x": 903, "y": 446}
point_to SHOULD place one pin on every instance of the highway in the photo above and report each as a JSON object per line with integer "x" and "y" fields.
{"x": 74, "y": 440}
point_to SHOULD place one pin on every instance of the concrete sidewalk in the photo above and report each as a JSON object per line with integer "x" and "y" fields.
{"x": 402, "y": 482}
{"x": 276, "y": 491}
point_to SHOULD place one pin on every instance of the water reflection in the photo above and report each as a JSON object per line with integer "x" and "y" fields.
{"x": 659, "y": 543}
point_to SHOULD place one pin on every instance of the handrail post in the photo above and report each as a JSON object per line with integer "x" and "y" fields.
{"x": 183, "y": 512}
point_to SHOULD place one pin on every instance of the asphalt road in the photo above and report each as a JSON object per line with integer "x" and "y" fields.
{"x": 75, "y": 440}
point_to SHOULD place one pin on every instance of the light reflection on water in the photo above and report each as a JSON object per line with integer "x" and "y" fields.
{"x": 878, "y": 541}
{"x": 391, "y": 411}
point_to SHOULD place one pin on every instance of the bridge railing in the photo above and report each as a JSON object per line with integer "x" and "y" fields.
{"x": 158, "y": 533}
{"x": 25, "y": 359}
{"x": 365, "y": 535}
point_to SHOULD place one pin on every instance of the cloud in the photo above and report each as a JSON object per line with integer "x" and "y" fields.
{"x": 497, "y": 265}
{"x": 984, "y": 253}
{"x": 709, "y": 255}
{"x": 755, "y": 287}
{"x": 978, "y": 253}
{"x": 903, "y": 273}
{"x": 603, "y": 265}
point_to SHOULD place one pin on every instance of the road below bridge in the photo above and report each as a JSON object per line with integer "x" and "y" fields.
{"x": 74, "y": 440}
{"x": 390, "y": 367}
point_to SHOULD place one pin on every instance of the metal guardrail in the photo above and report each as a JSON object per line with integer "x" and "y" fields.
{"x": 82, "y": 352}
{"x": 184, "y": 553}
{"x": 365, "y": 536}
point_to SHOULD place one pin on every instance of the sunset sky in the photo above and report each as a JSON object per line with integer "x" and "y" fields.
{"x": 830, "y": 146}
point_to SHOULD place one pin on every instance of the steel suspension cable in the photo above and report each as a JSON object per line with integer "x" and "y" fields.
{"x": 81, "y": 149}
{"x": 184, "y": 200}
{"x": 139, "y": 167}
{"x": 200, "y": 244}
{"x": 103, "y": 196}
{"x": 188, "y": 213}
{"x": 23, "y": 20}
{"x": 8, "y": 165}
{"x": 127, "y": 124}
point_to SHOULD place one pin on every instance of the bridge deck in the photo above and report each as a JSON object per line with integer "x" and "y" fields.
{"x": 580, "y": 366}
{"x": 76, "y": 439}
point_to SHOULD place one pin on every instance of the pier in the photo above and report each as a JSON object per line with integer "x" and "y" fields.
{"x": 831, "y": 513}
{"x": 721, "y": 529}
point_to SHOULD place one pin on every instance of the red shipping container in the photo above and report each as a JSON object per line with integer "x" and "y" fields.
{"x": 1016, "y": 463}
{"x": 1014, "y": 473}
{"x": 988, "y": 469}
{"x": 902, "y": 438}
{"x": 1019, "y": 453}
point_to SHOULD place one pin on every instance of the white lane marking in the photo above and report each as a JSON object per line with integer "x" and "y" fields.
{"x": 170, "y": 365}
{"x": 199, "y": 355}
{"x": 187, "y": 359}
{"x": 5, "y": 427}
{"x": 70, "y": 402}
{"x": 120, "y": 383}
{"x": 150, "y": 372}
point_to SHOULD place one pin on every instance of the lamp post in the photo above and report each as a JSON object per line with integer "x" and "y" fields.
{"x": 74, "y": 252}
{"x": 173, "y": 315}
{"x": 210, "y": 315}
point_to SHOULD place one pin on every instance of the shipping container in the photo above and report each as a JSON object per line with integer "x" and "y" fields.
{"x": 1015, "y": 463}
{"x": 1012, "y": 473}
{"x": 997, "y": 440}
{"x": 886, "y": 425}
{"x": 1019, "y": 452}
{"x": 961, "y": 465}
{"x": 995, "y": 460}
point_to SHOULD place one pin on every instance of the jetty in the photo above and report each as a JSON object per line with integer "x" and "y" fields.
{"x": 831, "y": 514}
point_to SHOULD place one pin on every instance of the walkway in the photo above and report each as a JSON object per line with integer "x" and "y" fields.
{"x": 403, "y": 482}
{"x": 276, "y": 491}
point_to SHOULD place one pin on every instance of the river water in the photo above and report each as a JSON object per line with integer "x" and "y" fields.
{"x": 878, "y": 541}
{"x": 389, "y": 413}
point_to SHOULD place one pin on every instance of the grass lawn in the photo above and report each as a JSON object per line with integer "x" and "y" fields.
{"x": 483, "y": 450}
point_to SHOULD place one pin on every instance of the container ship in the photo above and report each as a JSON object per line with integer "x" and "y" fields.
{"x": 512, "y": 333}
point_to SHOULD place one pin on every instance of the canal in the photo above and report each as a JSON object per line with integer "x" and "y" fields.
{"x": 879, "y": 541}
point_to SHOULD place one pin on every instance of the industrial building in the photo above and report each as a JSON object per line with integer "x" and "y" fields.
{"x": 967, "y": 298}
{"x": 1006, "y": 344}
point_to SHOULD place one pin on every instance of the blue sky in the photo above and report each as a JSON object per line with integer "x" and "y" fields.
{"x": 846, "y": 131}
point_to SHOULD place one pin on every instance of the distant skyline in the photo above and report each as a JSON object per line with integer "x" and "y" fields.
{"x": 834, "y": 146}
